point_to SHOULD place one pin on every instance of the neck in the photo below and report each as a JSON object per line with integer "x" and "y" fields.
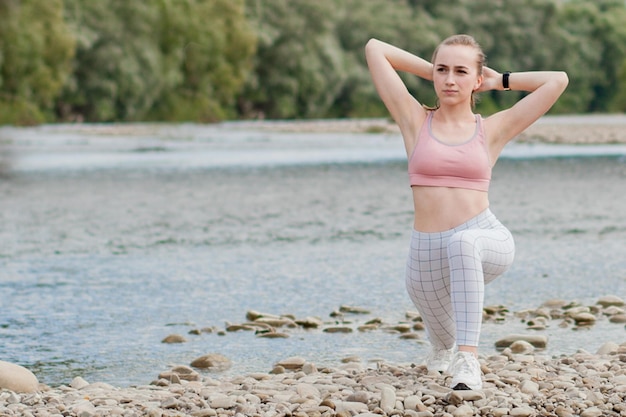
{"x": 455, "y": 114}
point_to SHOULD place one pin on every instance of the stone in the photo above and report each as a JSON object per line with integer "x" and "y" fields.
{"x": 353, "y": 310}
{"x": 387, "y": 398}
{"x": 84, "y": 408}
{"x": 307, "y": 391}
{"x": 273, "y": 335}
{"x": 413, "y": 402}
{"x": 223, "y": 401}
{"x": 608, "y": 348}
{"x": 174, "y": 338}
{"x": 177, "y": 374}
{"x": 611, "y": 300}
{"x": 293, "y": 362}
{"x": 350, "y": 407}
{"x": 309, "y": 368}
{"x": 454, "y": 398}
{"x": 529, "y": 387}
{"x": 618, "y": 318}
{"x": 613, "y": 310}
{"x": 253, "y": 315}
{"x": 213, "y": 361}
{"x": 310, "y": 323}
{"x": 471, "y": 395}
{"x": 79, "y": 383}
{"x": 239, "y": 327}
{"x": 338, "y": 329}
{"x": 583, "y": 318}
{"x": 592, "y": 412}
{"x": 554, "y": 303}
{"x": 17, "y": 378}
{"x": 522, "y": 412}
{"x": 521, "y": 347}
{"x": 463, "y": 411}
{"x": 538, "y": 341}
{"x": 276, "y": 322}
{"x": 359, "y": 396}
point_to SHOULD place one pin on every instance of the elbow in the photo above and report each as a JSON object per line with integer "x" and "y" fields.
{"x": 371, "y": 44}
{"x": 371, "y": 47}
{"x": 563, "y": 79}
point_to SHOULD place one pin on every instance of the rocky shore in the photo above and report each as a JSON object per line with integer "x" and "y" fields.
{"x": 516, "y": 384}
{"x": 518, "y": 380}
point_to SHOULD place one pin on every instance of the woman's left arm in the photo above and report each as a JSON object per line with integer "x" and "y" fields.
{"x": 544, "y": 87}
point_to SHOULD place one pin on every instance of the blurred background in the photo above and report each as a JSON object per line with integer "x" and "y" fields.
{"x": 215, "y": 60}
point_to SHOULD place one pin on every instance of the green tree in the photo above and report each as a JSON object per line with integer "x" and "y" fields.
{"x": 310, "y": 60}
{"x": 208, "y": 47}
{"x": 36, "y": 48}
{"x": 298, "y": 66}
{"x": 618, "y": 103}
{"x": 394, "y": 21}
{"x": 157, "y": 59}
{"x": 117, "y": 67}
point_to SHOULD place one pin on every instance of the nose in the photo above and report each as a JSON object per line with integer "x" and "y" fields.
{"x": 449, "y": 78}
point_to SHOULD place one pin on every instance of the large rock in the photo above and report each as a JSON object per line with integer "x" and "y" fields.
{"x": 540, "y": 342}
{"x": 213, "y": 361}
{"x": 17, "y": 378}
{"x": 611, "y": 300}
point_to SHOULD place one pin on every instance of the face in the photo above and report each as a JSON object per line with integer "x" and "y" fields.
{"x": 455, "y": 73}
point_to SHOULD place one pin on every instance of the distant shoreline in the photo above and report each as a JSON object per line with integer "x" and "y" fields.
{"x": 589, "y": 129}
{"x": 584, "y": 129}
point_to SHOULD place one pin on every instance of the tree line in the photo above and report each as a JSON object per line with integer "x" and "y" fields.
{"x": 212, "y": 60}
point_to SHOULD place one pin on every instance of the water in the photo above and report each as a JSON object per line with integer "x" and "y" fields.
{"x": 113, "y": 237}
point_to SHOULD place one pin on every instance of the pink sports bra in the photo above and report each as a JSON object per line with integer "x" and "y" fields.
{"x": 437, "y": 164}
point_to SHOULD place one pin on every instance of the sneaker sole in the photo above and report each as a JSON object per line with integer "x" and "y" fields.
{"x": 463, "y": 387}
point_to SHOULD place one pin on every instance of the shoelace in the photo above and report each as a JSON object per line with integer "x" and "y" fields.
{"x": 466, "y": 366}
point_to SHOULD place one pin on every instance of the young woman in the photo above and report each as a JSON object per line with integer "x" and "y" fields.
{"x": 457, "y": 245}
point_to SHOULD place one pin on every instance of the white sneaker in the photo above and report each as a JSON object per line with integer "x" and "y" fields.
{"x": 465, "y": 371}
{"x": 439, "y": 359}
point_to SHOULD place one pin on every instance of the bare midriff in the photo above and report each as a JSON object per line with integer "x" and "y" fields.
{"x": 442, "y": 208}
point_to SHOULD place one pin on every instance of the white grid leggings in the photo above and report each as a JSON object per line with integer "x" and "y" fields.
{"x": 446, "y": 275}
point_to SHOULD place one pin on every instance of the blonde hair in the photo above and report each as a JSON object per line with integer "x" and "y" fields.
{"x": 463, "y": 40}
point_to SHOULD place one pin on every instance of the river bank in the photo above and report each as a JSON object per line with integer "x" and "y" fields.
{"x": 516, "y": 384}
{"x": 585, "y": 129}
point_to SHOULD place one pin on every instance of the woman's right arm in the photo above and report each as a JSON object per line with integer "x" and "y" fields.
{"x": 384, "y": 60}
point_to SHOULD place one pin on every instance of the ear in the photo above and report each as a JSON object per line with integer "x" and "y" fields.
{"x": 479, "y": 82}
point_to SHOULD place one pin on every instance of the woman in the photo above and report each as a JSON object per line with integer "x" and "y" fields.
{"x": 457, "y": 245}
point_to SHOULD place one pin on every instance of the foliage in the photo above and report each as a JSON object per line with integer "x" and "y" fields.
{"x": 165, "y": 59}
{"x": 209, "y": 46}
{"x": 210, "y": 60}
{"x": 35, "y": 52}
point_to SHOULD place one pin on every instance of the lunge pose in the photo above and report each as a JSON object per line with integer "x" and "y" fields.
{"x": 457, "y": 245}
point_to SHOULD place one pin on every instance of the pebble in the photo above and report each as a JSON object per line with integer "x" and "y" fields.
{"x": 567, "y": 314}
{"x": 17, "y": 378}
{"x": 517, "y": 381}
{"x": 538, "y": 341}
{"x": 582, "y": 384}
{"x": 174, "y": 338}
{"x": 213, "y": 361}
